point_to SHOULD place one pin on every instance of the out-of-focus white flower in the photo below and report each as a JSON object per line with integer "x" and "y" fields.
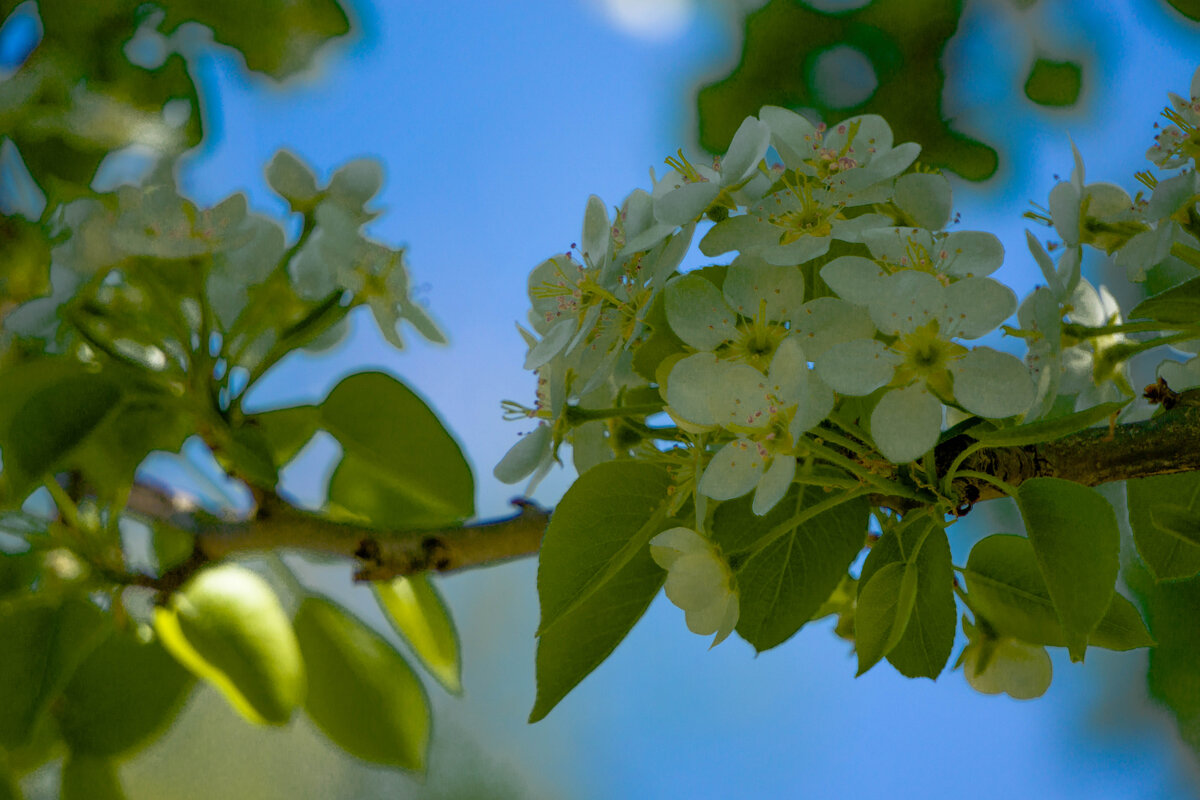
{"x": 699, "y": 581}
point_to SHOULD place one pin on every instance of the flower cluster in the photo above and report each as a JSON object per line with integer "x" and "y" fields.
{"x": 841, "y": 331}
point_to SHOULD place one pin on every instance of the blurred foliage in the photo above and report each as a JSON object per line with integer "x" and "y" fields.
{"x": 1189, "y": 8}
{"x": 903, "y": 41}
{"x": 1054, "y": 83}
{"x": 132, "y": 320}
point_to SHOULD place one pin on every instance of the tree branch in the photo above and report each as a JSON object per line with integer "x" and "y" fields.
{"x": 380, "y": 555}
{"x": 1163, "y": 445}
{"x": 1167, "y": 444}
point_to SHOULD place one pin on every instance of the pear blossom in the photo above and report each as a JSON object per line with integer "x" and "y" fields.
{"x": 922, "y": 364}
{"x": 699, "y": 581}
{"x": 995, "y": 665}
{"x": 1179, "y": 142}
{"x": 826, "y": 172}
{"x": 687, "y": 192}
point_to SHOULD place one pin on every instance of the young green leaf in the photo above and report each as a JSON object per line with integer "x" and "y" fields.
{"x": 419, "y": 614}
{"x": 405, "y": 465}
{"x": 1075, "y": 538}
{"x": 1168, "y": 550}
{"x": 97, "y": 716}
{"x": 1047, "y": 430}
{"x": 1177, "y": 305}
{"x": 227, "y": 626}
{"x": 286, "y": 430}
{"x": 1007, "y": 589}
{"x": 879, "y": 614}
{"x": 921, "y": 645}
{"x": 595, "y": 573}
{"x": 782, "y": 586}
{"x": 361, "y": 692}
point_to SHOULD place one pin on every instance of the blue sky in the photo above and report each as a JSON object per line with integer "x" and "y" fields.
{"x": 495, "y": 121}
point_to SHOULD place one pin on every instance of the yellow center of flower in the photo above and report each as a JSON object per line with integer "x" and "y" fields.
{"x": 927, "y": 357}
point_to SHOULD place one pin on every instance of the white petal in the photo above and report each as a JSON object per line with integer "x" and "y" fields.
{"x": 925, "y": 197}
{"x": 992, "y": 384}
{"x": 774, "y": 484}
{"x": 798, "y": 252}
{"x": 971, "y": 253}
{"x": 733, "y": 471}
{"x": 1019, "y": 669}
{"x": 695, "y": 580}
{"x": 524, "y": 456}
{"x": 792, "y": 134}
{"x": 728, "y": 619}
{"x": 975, "y": 306}
{"x": 748, "y": 147}
{"x": 911, "y": 299}
{"x": 811, "y": 409}
{"x": 596, "y": 232}
{"x": 781, "y": 287}
{"x": 787, "y": 379}
{"x": 827, "y": 321}
{"x": 741, "y": 397}
{"x": 552, "y": 344}
{"x": 685, "y": 204}
{"x": 668, "y": 546}
{"x": 854, "y": 278}
{"x": 690, "y": 388}
{"x": 906, "y": 423}
{"x": 1064, "y": 210}
{"x": 698, "y": 313}
{"x": 858, "y": 367}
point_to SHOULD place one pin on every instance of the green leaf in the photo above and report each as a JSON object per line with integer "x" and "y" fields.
{"x": 49, "y": 406}
{"x": 43, "y": 645}
{"x": 1174, "y": 675}
{"x": 9, "y": 788}
{"x": 1054, "y": 83}
{"x": 226, "y": 625}
{"x": 1177, "y": 305}
{"x": 1189, "y": 8}
{"x": 286, "y": 430}
{"x": 595, "y": 573}
{"x": 98, "y": 716}
{"x": 782, "y": 586}
{"x": 88, "y": 777}
{"x": 1167, "y": 550}
{"x": 921, "y": 635}
{"x": 1074, "y": 534}
{"x": 404, "y": 467}
{"x": 1007, "y": 589}
{"x": 781, "y": 64}
{"x": 143, "y": 422}
{"x": 361, "y": 692}
{"x": 18, "y": 572}
{"x": 878, "y": 614}
{"x": 278, "y": 37}
{"x": 419, "y": 614}
{"x": 1046, "y": 430}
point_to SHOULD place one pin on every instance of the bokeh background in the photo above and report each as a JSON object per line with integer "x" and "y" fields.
{"x": 495, "y": 121}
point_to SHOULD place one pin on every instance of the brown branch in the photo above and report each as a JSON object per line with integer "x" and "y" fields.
{"x": 380, "y": 555}
{"x": 1163, "y": 445}
{"x": 1166, "y": 444}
